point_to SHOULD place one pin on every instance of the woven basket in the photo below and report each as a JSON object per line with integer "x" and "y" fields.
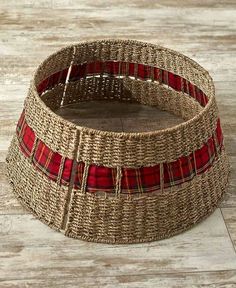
{"x": 118, "y": 187}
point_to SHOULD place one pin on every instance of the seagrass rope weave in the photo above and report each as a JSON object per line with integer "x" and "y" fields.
{"x": 117, "y": 187}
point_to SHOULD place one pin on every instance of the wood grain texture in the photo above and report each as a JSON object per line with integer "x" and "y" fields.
{"x": 33, "y": 255}
{"x": 222, "y": 279}
{"x": 229, "y": 215}
{"x": 31, "y": 248}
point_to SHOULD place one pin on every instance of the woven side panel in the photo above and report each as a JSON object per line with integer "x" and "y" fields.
{"x": 154, "y": 94}
{"x": 52, "y": 98}
{"x": 58, "y": 134}
{"x": 145, "y": 53}
{"x": 152, "y": 217}
{"x": 95, "y": 88}
{"x": 36, "y": 192}
{"x": 110, "y": 149}
{"x": 121, "y": 150}
{"x": 55, "y": 62}
{"x": 126, "y": 89}
{"x": 146, "y": 149}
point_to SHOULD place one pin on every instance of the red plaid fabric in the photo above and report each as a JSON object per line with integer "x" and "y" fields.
{"x": 175, "y": 81}
{"x": 27, "y": 140}
{"x": 66, "y": 173}
{"x": 79, "y": 175}
{"x": 100, "y": 178}
{"x": 144, "y": 179}
{"x": 116, "y": 68}
{"x": 26, "y": 136}
{"x": 179, "y": 171}
{"x": 20, "y": 123}
{"x": 52, "y": 80}
{"x": 205, "y": 156}
{"x": 47, "y": 161}
{"x": 144, "y": 72}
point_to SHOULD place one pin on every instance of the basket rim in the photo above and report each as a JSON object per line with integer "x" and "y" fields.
{"x": 122, "y": 134}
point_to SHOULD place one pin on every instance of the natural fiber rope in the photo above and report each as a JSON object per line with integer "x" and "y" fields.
{"x": 117, "y": 217}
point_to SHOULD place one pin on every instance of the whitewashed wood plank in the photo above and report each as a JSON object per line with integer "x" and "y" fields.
{"x": 70, "y": 4}
{"x": 14, "y": 94}
{"x": 230, "y": 197}
{"x": 213, "y": 31}
{"x": 229, "y": 215}
{"x": 30, "y": 248}
{"x": 222, "y": 279}
{"x": 8, "y": 202}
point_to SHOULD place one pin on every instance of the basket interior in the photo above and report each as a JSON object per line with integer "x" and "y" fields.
{"x": 112, "y": 84}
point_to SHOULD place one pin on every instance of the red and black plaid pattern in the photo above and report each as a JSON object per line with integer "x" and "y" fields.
{"x": 52, "y": 80}
{"x": 100, "y": 178}
{"x": 66, "y": 173}
{"x": 205, "y": 156}
{"x": 47, "y": 161}
{"x": 44, "y": 159}
{"x": 186, "y": 167}
{"x": 26, "y": 136}
{"x": 118, "y": 68}
{"x": 140, "y": 180}
{"x": 20, "y": 123}
{"x": 178, "y": 171}
{"x": 79, "y": 174}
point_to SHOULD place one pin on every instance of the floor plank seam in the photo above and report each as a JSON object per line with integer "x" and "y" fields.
{"x": 230, "y": 237}
{"x": 130, "y": 275}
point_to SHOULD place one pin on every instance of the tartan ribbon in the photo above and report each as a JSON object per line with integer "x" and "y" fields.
{"x": 100, "y": 178}
{"x": 118, "y": 68}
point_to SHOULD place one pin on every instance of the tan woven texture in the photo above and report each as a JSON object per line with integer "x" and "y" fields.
{"x": 115, "y": 217}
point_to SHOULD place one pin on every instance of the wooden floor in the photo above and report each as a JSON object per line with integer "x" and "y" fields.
{"x": 33, "y": 255}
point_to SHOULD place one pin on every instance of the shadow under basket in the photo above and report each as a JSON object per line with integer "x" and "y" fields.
{"x": 119, "y": 187}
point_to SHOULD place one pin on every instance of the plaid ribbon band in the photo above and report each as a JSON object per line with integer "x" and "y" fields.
{"x": 100, "y": 178}
{"x": 26, "y": 136}
{"x": 143, "y": 72}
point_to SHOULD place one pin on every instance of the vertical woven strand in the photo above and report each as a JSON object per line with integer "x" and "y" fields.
{"x": 21, "y": 133}
{"x": 68, "y": 77}
{"x": 162, "y": 177}
{"x": 160, "y": 76}
{"x": 118, "y": 181}
{"x": 136, "y": 71}
{"x": 33, "y": 196}
{"x": 127, "y": 69}
{"x": 167, "y": 78}
{"x": 60, "y": 170}
{"x": 152, "y": 75}
{"x": 33, "y": 148}
{"x": 71, "y": 184}
{"x": 216, "y": 145}
{"x": 182, "y": 85}
{"x": 195, "y": 163}
{"x": 85, "y": 177}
